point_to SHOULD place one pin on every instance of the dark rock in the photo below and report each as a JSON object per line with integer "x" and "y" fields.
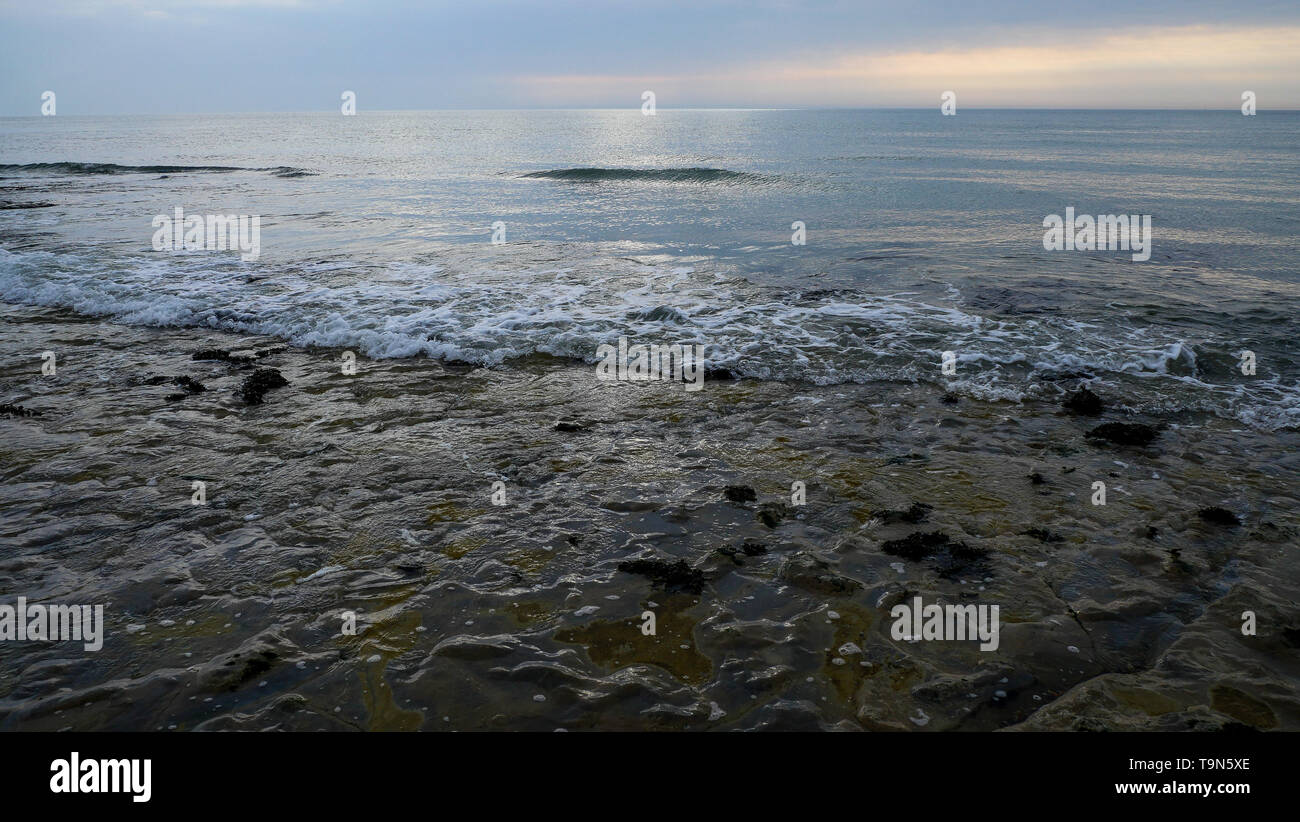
{"x": 1124, "y": 433}
{"x": 948, "y": 399}
{"x": 569, "y": 426}
{"x": 11, "y": 410}
{"x": 915, "y": 513}
{"x": 1037, "y": 479}
{"x": 814, "y": 575}
{"x": 1083, "y": 402}
{"x": 1218, "y": 516}
{"x": 460, "y": 367}
{"x": 740, "y": 493}
{"x": 249, "y": 667}
{"x": 190, "y": 385}
{"x": 1151, "y": 532}
{"x": 1057, "y": 376}
{"x": 959, "y": 559}
{"x": 915, "y": 546}
{"x": 174, "y": 397}
{"x": 1042, "y": 535}
{"x": 718, "y": 374}
{"x": 905, "y": 458}
{"x": 752, "y": 548}
{"x": 771, "y": 513}
{"x": 262, "y": 380}
{"x": 670, "y": 576}
{"x": 748, "y": 547}
{"x": 950, "y": 558}
{"x": 220, "y": 354}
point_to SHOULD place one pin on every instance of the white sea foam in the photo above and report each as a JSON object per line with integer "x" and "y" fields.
{"x": 462, "y": 310}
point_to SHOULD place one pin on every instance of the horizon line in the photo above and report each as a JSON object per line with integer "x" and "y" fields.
{"x": 636, "y": 109}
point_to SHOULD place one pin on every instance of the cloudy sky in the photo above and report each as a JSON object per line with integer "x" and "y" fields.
{"x": 161, "y": 56}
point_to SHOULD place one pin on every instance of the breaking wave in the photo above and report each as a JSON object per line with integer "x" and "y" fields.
{"x": 114, "y": 168}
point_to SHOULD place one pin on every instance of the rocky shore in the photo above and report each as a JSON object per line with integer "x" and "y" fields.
{"x": 498, "y": 535}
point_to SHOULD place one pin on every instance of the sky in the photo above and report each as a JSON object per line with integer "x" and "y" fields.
{"x": 174, "y": 56}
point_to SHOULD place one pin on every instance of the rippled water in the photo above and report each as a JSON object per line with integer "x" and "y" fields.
{"x": 372, "y": 493}
{"x": 924, "y": 236}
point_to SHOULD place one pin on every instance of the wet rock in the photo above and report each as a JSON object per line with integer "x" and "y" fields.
{"x": 950, "y": 558}
{"x": 174, "y": 397}
{"x": 220, "y": 354}
{"x": 915, "y": 513}
{"x": 772, "y": 513}
{"x": 459, "y": 367}
{"x": 739, "y": 493}
{"x": 1042, "y": 535}
{"x": 748, "y": 547}
{"x": 670, "y": 576}
{"x": 915, "y": 546}
{"x": 240, "y": 667}
{"x": 1084, "y": 403}
{"x": 11, "y": 410}
{"x": 1057, "y": 376}
{"x": 1216, "y": 515}
{"x": 253, "y": 389}
{"x": 815, "y": 575}
{"x": 1037, "y": 479}
{"x": 718, "y": 374}
{"x": 191, "y": 386}
{"x": 752, "y": 548}
{"x": 903, "y": 459}
{"x": 1124, "y": 433}
{"x": 569, "y": 426}
{"x": 948, "y": 399}
{"x": 1242, "y": 707}
{"x": 1151, "y": 532}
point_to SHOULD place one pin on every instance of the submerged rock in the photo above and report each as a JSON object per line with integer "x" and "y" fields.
{"x": 915, "y": 513}
{"x": 949, "y": 557}
{"x": 253, "y": 389}
{"x": 1042, "y": 535}
{"x": 191, "y": 386}
{"x": 749, "y": 547}
{"x": 670, "y": 576}
{"x": 220, "y": 354}
{"x": 1216, "y": 515}
{"x": 771, "y": 513}
{"x": 11, "y": 410}
{"x": 1124, "y": 433}
{"x": 814, "y": 575}
{"x": 739, "y": 493}
{"x": 915, "y": 546}
{"x": 1084, "y": 403}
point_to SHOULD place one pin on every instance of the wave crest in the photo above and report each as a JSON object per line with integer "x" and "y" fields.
{"x": 661, "y": 175}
